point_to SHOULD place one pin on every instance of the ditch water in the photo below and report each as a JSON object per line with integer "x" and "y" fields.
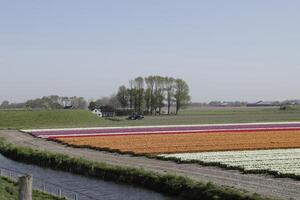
{"x": 71, "y": 185}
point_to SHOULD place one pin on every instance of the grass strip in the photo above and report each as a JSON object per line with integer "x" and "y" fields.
{"x": 9, "y": 191}
{"x": 169, "y": 184}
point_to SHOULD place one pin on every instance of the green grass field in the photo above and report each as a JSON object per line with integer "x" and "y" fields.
{"x": 9, "y": 191}
{"x": 192, "y": 115}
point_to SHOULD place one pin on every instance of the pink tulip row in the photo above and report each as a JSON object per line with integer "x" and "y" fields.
{"x": 56, "y": 133}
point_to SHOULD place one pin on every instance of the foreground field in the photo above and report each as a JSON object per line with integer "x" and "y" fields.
{"x": 192, "y": 115}
{"x": 193, "y": 139}
{"x": 261, "y": 184}
{"x": 279, "y": 161}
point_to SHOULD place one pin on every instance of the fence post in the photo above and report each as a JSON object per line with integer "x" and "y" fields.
{"x": 0, "y": 172}
{"x": 59, "y": 192}
{"x": 44, "y": 187}
{"x": 76, "y": 197}
{"x": 25, "y": 187}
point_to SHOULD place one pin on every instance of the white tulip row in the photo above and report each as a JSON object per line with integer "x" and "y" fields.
{"x": 283, "y": 161}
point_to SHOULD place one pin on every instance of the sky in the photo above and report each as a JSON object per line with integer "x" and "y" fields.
{"x": 225, "y": 50}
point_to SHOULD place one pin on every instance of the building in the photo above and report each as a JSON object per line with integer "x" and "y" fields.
{"x": 263, "y": 104}
{"x": 104, "y": 111}
{"x": 97, "y": 112}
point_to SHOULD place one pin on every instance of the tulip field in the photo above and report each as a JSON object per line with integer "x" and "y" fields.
{"x": 281, "y": 161}
{"x": 273, "y": 147}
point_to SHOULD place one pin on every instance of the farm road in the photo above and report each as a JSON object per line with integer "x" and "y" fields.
{"x": 283, "y": 188}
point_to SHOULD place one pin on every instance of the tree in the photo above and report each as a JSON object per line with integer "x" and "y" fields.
{"x": 131, "y": 94}
{"x": 147, "y": 98}
{"x": 159, "y": 93}
{"x": 182, "y": 96}
{"x": 92, "y": 105}
{"x": 79, "y": 102}
{"x": 103, "y": 101}
{"x": 139, "y": 94}
{"x": 123, "y": 97}
{"x": 4, "y": 104}
{"x": 113, "y": 102}
{"x": 169, "y": 87}
{"x": 150, "y": 82}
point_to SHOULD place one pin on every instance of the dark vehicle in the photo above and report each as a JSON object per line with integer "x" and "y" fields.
{"x": 135, "y": 116}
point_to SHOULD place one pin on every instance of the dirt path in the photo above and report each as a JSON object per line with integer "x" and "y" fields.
{"x": 283, "y": 188}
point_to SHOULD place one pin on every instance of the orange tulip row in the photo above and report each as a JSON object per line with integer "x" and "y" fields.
{"x": 192, "y": 142}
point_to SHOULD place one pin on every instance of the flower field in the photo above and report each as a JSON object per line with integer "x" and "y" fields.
{"x": 282, "y": 161}
{"x": 191, "y": 142}
{"x": 204, "y": 128}
{"x": 273, "y": 147}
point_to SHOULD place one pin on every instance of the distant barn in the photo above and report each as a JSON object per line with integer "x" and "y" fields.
{"x": 107, "y": 111}
{"x": 97, "y": 112}
{"x": 262, "y": 104}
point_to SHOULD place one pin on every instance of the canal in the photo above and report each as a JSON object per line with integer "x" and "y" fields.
{"x": 71, "y": 185}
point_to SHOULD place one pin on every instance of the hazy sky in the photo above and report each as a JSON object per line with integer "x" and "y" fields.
{"x": 225, "y": 50}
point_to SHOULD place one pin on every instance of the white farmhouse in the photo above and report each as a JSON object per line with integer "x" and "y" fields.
{"x": 97, "y": 112}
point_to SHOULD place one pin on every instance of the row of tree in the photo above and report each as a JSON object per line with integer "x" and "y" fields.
{"x": 152, "y": 93}
{"x": 49, "y": 102}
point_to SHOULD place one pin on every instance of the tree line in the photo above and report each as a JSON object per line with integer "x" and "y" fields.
{"x": 152, "y": 93}
{"x": 49, "y": 102}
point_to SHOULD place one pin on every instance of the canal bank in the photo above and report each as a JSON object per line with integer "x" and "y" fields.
{"x": 72, "y": 185}
{"x": 174, "y": 185}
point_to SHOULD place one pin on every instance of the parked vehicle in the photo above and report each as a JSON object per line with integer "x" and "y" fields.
{"x": 135, "y": 116}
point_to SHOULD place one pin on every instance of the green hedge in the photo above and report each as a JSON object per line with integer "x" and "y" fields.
{"x": 165, "y": 183}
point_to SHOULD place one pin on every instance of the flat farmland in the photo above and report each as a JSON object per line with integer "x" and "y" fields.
{"x": 261, "y": 184}
{"x": 192, "y": 115}
{"x": 207, "y": 132}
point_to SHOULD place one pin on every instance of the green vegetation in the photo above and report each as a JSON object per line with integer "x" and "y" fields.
{"x": 147, "y": 95}
{"x": 9, "y": 191}
{"x": 192, "y": 115}
{"x": 165, "y": 183}
{"x": 47, "y": 102}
